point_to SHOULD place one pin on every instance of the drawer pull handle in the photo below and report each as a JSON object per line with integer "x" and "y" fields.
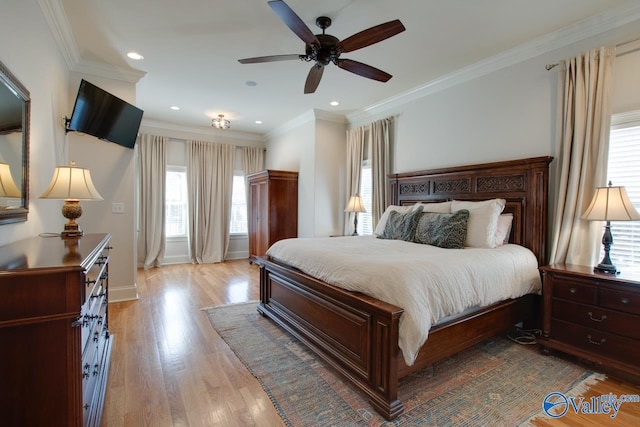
{"x": 604, "y": 317}
{"x": 573, "y": 290}
{"x": 602, "y": 341}
{"x": 624, "y": 300}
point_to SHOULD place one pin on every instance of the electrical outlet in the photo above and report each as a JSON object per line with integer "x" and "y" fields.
{"x": 117, "y": 208}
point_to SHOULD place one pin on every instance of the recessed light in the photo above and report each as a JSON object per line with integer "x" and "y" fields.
{"x": 334, "y": 103}
{"x": 135, "y": 55}
{"x": 258, "y": 122}
{"x": 251, "y": 83}
{"x": 175, "y": 107}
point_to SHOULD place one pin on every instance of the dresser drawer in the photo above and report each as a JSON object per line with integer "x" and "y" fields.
{"x": 597, "y": 342}
{"x": 602, "y": 319}
{"x": 573, "y": 289}
{"x": 620, "y": 300}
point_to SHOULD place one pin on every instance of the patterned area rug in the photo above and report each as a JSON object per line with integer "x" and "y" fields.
{"x": 497, "y": 382}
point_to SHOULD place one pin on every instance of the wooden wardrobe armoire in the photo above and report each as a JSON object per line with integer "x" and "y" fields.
{"x": 273, "y": 201}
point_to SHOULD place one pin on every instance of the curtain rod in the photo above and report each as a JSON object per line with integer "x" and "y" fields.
{"x": 624, "y": 52}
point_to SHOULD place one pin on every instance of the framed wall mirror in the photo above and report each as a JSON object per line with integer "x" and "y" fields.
{"x": 15, "y": 106}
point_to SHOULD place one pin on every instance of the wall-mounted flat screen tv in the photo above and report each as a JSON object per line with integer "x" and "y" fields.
{"x": 105, "y": 116}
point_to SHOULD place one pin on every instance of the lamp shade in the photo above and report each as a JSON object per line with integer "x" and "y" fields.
{"x": 355, "y": 205}
{"x": 71, "y": 183}
{"x": 611, "y": 204}
{"x": 8, "y": 186}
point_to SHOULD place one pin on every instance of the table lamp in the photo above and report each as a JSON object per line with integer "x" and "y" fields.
{"x": 355, "y": 205}
{"x": 610, "y": 204}
{"x": 71, "y": 184}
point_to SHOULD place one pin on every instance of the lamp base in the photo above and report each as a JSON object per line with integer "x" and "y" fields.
{"x": 71, "y": 210}
{"x": 606, "y": 266}
{"x": 606, "y": 269}
{"x": 71, "y": 231}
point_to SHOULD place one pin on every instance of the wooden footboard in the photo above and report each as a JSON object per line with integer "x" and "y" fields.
{"x": 354, "y": 333}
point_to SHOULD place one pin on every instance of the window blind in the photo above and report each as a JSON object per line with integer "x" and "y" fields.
{"x": 624, "y": 169}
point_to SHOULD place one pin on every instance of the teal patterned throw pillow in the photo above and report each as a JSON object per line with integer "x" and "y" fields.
{"x": 442, "y": 229}
{"x": 401, "y": 226}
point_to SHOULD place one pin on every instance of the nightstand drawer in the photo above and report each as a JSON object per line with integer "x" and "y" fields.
{"x": 594, "y": 341}
{"x": 620, "y": 300}
{"x": 598, "y": 318}
{"x": 573, "y": 289}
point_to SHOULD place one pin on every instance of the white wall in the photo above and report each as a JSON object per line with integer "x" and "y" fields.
{"x": 314, "y": 145}
{"x": 626, "y": 88}
{"x": 292, "y": 149}
{"x": 28, "y": 50}
{"x": 330, "y": 192}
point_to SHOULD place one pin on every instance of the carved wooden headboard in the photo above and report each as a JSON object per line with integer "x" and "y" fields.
{"x": 522, "y": 183}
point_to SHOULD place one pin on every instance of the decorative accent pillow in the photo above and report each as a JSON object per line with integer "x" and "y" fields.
{"x": 382, "y": 223}
{"x": 439, "y": 207}
{"x": 401, "y": 226}
{"x": 445, "y": 230}
{"x": 483, "y": 221}
{"x": 503, "y": 229}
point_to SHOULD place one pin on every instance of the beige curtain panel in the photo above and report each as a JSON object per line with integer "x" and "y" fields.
{"x": 152, "y": 154}
{"x": 379, "y": 141}
{"x": 584, "y": 118}
{"x": 209, "y": 187}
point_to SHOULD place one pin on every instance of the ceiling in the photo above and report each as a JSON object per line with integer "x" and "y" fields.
{"x": 191, "y": 50}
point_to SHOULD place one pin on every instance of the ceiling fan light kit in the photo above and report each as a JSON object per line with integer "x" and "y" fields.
{"x": 324, "y": 49}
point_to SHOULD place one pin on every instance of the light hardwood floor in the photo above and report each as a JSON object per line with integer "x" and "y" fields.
{"x": 170, "y": 368}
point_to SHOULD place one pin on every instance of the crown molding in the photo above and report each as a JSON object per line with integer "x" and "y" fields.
{"x": 56, "y": 18}
{"x": 205, "y": 132}
{"x": 582, "y": 30}
{"x": 100, "y": 69}
{"x": 307, "y": 117}
{"x": 329, "y": 116}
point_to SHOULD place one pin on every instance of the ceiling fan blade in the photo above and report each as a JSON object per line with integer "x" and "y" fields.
{"x": 363, "y": 70}
{"x": 272, "y": 58}
{"x": 371, "y": 36}
{"x": 313, "y": 78}
{"x": 293, "y": 21}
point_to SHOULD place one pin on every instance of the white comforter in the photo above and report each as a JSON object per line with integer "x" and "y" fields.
{"x": 428, "y": 282}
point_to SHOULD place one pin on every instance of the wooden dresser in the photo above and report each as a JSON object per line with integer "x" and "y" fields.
{"x": 273, "y": 209}
{"x": 54, "y": 338}
{"x": 593, "y": 316}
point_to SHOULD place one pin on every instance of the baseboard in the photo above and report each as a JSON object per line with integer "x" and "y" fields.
{"x": 182, "y": 259}
{"x": 237, "y": 255}
{"x": 127, "y": 293}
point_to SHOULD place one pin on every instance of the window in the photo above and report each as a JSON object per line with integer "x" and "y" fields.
{"x": 624, "y": 158}
{"x": 238, "y": 223}
{"x": 176, "y": 202}
{"x": 365, "y": 224}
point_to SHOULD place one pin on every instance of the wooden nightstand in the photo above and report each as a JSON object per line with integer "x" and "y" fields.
{"x": 593, "y": 316}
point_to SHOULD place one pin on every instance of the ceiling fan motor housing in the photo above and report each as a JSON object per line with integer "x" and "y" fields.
{"x": 327, "y": 52}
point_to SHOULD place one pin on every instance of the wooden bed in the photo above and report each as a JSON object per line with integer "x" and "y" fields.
{"x": 358, "y": 334}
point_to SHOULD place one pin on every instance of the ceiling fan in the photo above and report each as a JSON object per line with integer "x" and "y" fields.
{"x": 324, "y": 48}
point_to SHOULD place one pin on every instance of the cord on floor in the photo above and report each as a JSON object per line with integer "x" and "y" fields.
{"x": 524, "y": 336}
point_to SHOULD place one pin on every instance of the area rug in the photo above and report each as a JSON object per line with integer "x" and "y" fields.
{"x": 497, "y": 382}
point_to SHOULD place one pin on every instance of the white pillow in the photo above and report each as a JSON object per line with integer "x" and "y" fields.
{"x": 483, "y": 221}
{"x": 440, "y": 207}
{"x": 503, "y": 229}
